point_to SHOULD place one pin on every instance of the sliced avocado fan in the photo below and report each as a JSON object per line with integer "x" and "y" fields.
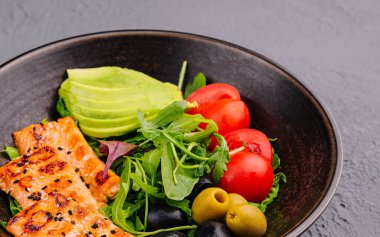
{"x": 105, "y": 100}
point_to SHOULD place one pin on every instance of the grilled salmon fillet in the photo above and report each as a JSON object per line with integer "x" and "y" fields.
{"x": 59, "y": 215}
{"x": 30, "y": 178}
{"x": 66, "y": 137}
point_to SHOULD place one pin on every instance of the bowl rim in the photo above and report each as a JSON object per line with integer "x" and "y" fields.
{"x": 318, "y": 210}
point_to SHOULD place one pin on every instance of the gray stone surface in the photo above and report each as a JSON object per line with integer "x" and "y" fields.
{"x": 332, "y": 46}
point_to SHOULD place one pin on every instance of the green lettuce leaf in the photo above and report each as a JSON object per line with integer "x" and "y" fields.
{"x": 273, "y": 192}
{"x": 276, "y": 160}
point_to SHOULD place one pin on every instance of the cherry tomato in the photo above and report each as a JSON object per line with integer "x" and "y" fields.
{"x": 248, "y": 174}
{"x": 228, "y": 114}
{"x": 212, "y": 93}
{"x": 253, "y": 140}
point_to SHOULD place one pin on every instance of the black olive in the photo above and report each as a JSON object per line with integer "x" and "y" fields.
{"x": 164, "y": 216}
{"x": 169, "y": 234}
{"x": 203, "y": 183}
{"x": 213, "y": 229}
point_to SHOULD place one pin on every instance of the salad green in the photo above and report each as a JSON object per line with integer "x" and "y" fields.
{"x": 167, "y": 165}
{"x": 273, "y": 192}
{"x": 170, "y": 158}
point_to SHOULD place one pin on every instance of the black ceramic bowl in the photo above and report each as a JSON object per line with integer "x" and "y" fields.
{"x": 308, "y": 140}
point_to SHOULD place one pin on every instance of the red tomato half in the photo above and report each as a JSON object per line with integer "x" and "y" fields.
{"x": 254, "y": 141}
{"x": 228, "y": 114}
{"x": 248, "y": 174}
{"x": 212, "y": 93}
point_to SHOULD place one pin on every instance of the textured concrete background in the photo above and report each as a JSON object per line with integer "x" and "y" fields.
{"x": 332, "y": 46}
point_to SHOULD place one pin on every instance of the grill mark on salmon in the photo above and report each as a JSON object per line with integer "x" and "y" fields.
{"x": 59, "y": 215}
{"x": 70, "y": 143}
{"x": 30, "y": 177}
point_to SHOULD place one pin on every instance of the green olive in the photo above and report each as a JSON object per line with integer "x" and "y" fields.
{"x": 246, "y": 220}
{"x": 235, "y": 199}
{"x": 210, "y": 204}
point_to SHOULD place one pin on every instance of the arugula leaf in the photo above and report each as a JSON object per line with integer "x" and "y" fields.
{"x": 151, "y": 130}
{"x": 198, "y": 82}
{"x": 134, "y": 207}
{"x": 106, "y": 211}
{"x": 185, "y": 124}
{"x": 201, "y": 135}
{"x": 273, "y": 192}
{"x": 14, "y": 206}
{"x": 183, "y": 128}
{"x": 145, "y": 126}
{"x": 137, "y": 175}
{"x": 220, "y": 157}
{"x": 11, "y": 152}
{"x": 185, "y": 177}
{"x": 169, "y": 114}
{"x": 153, "y": 191}
{"x": 150, "y": 161}
{"x": 61, "y": 107}
{"x": 138, "y": 224}
{"x": 119, "y": 215}
{"x": 135, "y": 138}
{"x": 130, "y": 225}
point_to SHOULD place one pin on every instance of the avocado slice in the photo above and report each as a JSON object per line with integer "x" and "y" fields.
{"x": 105, "y": 114}
{"x": 104, "y": 132}
{"x": 105, "y": 77}
{"x": 105, "y": 105}
{"x": 111, "y": 123}
{"x": 148, "y": 98}
{"x": 105, "y": 100}
{"x": 166, "y": 90}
